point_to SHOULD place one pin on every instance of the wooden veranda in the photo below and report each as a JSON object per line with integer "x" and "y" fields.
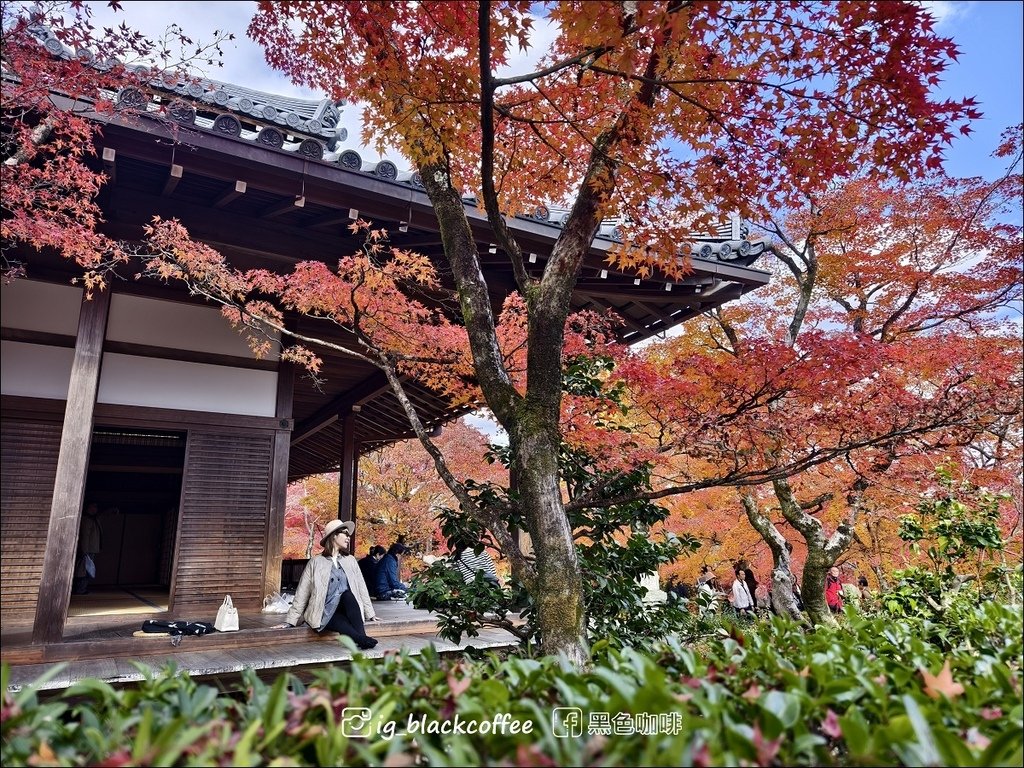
{"x": 105, "y": 648}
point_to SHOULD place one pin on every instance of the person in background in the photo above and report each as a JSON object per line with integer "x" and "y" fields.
{"x": 90, "y": 544}
{"x": 389, "y": 585}
{"x": 862, "y": 585}
{"x": 331, "y": 594}
{"x": 834, "y": 590}
{"x": 705, "y": 576}
{"x": 368, "y": 567}
{"x": 467, "y": 562}
{"x": 678, "y": 589}
{"x": 751, "y": 581}
{"x": 742, "y": 600}
{"x": 865, "y": 600}
{"x": 709, "y": 593}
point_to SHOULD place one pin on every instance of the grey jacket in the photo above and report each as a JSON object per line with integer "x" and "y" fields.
{"x": 312, "y": 592}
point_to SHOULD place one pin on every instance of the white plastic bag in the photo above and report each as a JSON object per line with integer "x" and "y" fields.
{"x": 277, "y": 603}
{"x": 90, "y": 566}
{"x": 227, "y": 616}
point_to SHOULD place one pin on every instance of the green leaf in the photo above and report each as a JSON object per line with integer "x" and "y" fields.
{"x": 929, "y": 750}
{"x": 785, "y": 707}
{"x": 1006, "y": 749}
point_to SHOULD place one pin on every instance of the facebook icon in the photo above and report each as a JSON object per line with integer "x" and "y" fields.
{"x": 567, "y": 722}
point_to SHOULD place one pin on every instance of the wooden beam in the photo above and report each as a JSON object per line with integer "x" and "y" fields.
{"x": 278, "y": 482}
{"x": 331, "y": 219}
{"x": 72, "y": 469}
{"x": 369, "y": 388}
{"x": 658, "y": 311}
{"x": 38, "y": 337}
{"x": 605, "y": 304}
{"x": 349, "y": 469}
{"x": 190, "y": 356}
{"x": 172, "y": 179}
{"x": 283, "y": 207}
{"x": 289, "y": 242}
{"x": 227, "y": 197}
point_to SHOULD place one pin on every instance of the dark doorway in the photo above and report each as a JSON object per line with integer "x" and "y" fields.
{"x": 135, "y": 480}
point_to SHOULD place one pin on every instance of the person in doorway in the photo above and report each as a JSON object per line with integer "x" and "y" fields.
{"x": 368, "y": 567}
{"x": 331, "y": 593}
{"x": 834, "y": 591}
{"x": 90, "y": 544}
{"x": 389, "y": 585}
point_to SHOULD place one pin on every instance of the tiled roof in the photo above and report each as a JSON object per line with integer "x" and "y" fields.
{"x": 310, "y": 128}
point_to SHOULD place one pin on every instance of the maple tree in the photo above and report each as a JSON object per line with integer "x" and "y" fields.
{"x": 588, "y": 123}
{"x": 657, "y": 113}
{"x": 400, "y": 493}
{"x": 767, "y": 91}
{"x": 895, "y": 298}
{"x": 310, "y": 504}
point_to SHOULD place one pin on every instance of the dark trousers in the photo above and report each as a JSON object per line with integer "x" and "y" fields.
{"x": 348, "y": 620}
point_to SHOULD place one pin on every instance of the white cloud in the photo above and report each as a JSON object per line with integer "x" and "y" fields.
{"x": 946, "y": 12}
{"x": 484, "y": 421}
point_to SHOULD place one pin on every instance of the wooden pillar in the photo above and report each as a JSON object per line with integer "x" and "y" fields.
{"x": 349, "y": 475}
{"x": 72, "y": 470}
{"x": 279, "y": 480}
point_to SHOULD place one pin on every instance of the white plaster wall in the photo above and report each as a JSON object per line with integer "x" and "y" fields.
{"x": 30, "y": 305}
{"x": 158, "y": 323}
{"x": 146, "y": 381}
{"x": 35, "y": 370}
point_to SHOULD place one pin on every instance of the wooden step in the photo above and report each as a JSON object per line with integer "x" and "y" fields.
{"x": 225, "y": 667}
{"x": 257, "y": 637}
{"x": 114, "y": 637}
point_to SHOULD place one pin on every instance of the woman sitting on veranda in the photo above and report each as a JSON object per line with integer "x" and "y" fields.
{"x": 331, "y": 593}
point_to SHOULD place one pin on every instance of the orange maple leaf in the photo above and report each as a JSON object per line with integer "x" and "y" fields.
{"x": 943, "y": 684}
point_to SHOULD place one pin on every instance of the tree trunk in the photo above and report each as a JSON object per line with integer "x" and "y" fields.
{"x": 883, "y": 582}
{"x": 820, "y": 554}
{"x": 813, "y": 587}
{"x": 780, "y": 594}
{"x": 558, "y": 594}
{"x": 531, "y": 420}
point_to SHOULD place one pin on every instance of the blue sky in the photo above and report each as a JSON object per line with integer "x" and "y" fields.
{"x": 991, "y": 68}
{"x": 989, "y": 34}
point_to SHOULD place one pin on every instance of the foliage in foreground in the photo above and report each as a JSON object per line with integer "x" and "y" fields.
{"x": 873, "y": 692}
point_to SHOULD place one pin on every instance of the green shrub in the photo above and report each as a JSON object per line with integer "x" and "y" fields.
{"x": 874, "y": 692}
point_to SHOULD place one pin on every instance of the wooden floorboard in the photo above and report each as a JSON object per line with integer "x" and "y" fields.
{"x": 295, "y": 657}
{"x": 104, "y": 647}
{"x": 114, "y": 636}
